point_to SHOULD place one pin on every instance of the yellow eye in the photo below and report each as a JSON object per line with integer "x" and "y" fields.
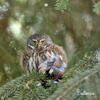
{"x": 33, "y": 42}
{"x": 42, "y": 41}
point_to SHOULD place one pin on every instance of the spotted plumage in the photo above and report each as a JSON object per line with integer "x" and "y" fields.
{"x": 40, "y": 49}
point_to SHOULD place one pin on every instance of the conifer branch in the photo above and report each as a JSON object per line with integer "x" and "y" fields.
{"x": 62, "y": 4}
{"x": 76, "y": 84}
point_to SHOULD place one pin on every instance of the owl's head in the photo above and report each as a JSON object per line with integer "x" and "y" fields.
{"x": 38, "y": 41}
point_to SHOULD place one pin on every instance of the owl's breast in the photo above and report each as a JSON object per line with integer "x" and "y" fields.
{"x": 35, "y": 60}
{"x": 38, "y": 58}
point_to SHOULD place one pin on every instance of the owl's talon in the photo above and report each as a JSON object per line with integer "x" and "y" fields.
{"x": 51, "y": 71}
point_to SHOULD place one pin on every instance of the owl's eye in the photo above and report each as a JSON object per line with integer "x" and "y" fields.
{"x": 34, "y": 42}
{"x": 42, "y": 41}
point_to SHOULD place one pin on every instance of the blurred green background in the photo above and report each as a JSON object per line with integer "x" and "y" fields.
{"x": 70, "y": 23}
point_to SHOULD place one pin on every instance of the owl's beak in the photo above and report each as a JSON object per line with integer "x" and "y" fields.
{"x": 39, "y": 46}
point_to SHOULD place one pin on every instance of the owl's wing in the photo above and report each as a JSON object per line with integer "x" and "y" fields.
{"x": 61, "y": 52}
{"x": 25, "y": 61}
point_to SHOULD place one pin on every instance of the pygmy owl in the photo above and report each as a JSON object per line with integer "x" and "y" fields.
{"x": 42, "y": 55}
